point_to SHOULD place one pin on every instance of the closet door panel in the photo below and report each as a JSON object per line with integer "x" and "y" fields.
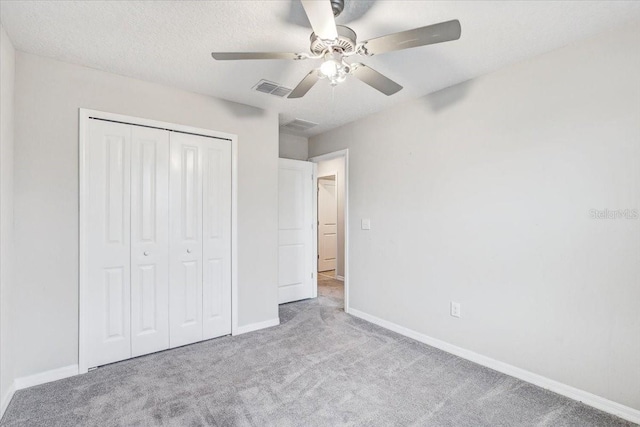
{"x": 149, "y": 240}
{"x": 185, "y": 247}
{"x": 107, "y": 157}
{"x": 216, "y": 238}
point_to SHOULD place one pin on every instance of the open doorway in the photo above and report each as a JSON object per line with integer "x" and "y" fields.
{"x": 327, "y": 226}
{"x": 331, "y": 190}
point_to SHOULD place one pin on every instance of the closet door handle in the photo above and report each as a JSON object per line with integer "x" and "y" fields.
{"x": 188, "y": 251}
{"x": 145, "y": 253}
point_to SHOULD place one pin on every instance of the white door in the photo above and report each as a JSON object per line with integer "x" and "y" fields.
{"x": 296, "y": 229}
{"x": 185, "y": 257}
{"x": 327, "y": 224}
{"x": 216, "y": 226}
{"x": 108, "y": 231}
{"x": 149, "y": 240}
{"x": 200, "y": 238}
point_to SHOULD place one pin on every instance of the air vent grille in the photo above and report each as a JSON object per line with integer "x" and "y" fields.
{"x": 272, "y": 88}
{"x": 299, "y": 125}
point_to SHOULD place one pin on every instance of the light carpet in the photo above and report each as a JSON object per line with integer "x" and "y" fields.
{"x": 320, "y": 367}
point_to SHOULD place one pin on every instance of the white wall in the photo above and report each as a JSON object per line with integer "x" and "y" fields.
{"x": 48, "y": 95}
{"x": 293, "y": 147}
{"x": 7, "y": 74}
{"x": 481, "y": 193}
{"x": 330, "y": 167}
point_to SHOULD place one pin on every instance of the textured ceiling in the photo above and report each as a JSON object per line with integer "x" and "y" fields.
{"x": 170, "y": 42}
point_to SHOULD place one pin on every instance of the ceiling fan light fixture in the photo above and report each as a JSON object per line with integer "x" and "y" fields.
{"x": 334, "y": 68}
{"x": 334, "y": 43}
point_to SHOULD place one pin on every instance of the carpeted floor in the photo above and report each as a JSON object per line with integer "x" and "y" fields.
{"x": 321, "y": 367}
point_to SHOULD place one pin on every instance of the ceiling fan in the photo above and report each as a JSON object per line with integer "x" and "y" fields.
{"x": 334, "y": 43}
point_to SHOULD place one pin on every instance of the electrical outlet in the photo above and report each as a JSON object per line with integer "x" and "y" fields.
{"x": 455, "y": 309}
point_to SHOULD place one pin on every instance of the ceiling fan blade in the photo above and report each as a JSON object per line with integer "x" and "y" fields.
{"x": 431, "y": 34}
{"x": 375, "y": 79}
{"x": 227, "y": 56}
{"x": 321, "y": 18}
{"x": 304, "y": 86}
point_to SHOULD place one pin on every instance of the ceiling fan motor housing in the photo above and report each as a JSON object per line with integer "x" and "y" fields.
{"x": 346, "y": 41}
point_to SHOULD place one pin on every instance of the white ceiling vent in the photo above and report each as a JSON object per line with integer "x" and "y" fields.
{"x": 299, "y": 125}
{"x": 272, "y": 88}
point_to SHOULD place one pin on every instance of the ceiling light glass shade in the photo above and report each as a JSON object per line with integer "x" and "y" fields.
{"x": 338, "y": 78}
{"x": 330, "y": 68}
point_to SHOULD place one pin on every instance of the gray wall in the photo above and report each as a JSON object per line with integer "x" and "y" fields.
{"x": 48, "y": 95}
{"x": 7, "y": 73}
{"x": 337, "y": 166}
{"x": 293, "y": 147}
{"x": 481, "y": 193}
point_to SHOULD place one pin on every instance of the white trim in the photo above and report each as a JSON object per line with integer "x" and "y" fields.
{"x": 234, "y": 235}
{"x": 340, "y": 278}
{"x": 36, "y": 379}
{"x": 46, "y": 377}
{"x": 257, "y": 326}
{"x": 314, "y": 232}
{"x": 6, "y": 399}
{"x": 84, "y": 115}
{"x": 334, "y": 155}
{"x": 82, "y": 172}
{"x": 585, "y": 397}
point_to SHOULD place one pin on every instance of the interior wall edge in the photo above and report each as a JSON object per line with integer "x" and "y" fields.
{"x": 7, "y": 217}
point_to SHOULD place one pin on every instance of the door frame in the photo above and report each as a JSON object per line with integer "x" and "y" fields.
{"x": 318, "y": 178}
{"x": 84, "y": 115}
{"x": 330, "y": 156}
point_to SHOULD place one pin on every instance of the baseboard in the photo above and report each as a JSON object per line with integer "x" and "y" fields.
{"x": 256, "y": 326}
{"x": 6, "y": 399}
{"x": 340, "y": 278}
{"x": 46, "y": 377}
{"x": 585, "y": 397}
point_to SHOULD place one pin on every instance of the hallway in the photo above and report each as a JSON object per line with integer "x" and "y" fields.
{"x": 331, "y": 288}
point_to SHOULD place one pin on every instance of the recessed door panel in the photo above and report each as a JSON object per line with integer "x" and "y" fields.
{"x": 291, "y": 265}
{"x": 190, "y": 290}
{"x": 214, "y": 285}
{"x": 149, "y": 240}
{"x": 115, "y": 305}
{"x": 147, "y": 309}
{"x": 291, "y": 200}
{"x": 108, "y": 264}
{"x": 115, "y": 188}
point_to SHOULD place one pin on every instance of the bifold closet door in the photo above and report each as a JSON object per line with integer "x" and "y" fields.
{"x": 200, "y": 238}
{"x": 216, "y": 234}
{"x": 149, "y": 240}
{"x": 108, "y": 232}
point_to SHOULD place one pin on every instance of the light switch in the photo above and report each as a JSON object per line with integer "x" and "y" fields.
{"x": 366, "y": 224}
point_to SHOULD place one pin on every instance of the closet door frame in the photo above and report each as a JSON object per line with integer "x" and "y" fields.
{"x": 85, "y": 115}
